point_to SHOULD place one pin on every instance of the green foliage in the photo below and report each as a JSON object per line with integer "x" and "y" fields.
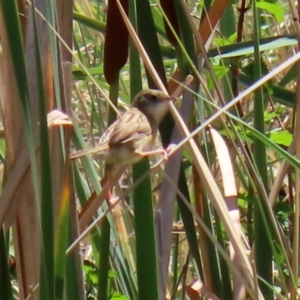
{"x": 273, "y": 8}
{"x": 166, "y": 225}
{"x": 283, "y": 137}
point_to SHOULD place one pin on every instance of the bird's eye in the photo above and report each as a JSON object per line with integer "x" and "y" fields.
{"x": 153, "y": 97}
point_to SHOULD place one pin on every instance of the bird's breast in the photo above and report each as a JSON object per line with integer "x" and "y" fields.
{"x": 122, "y": 156}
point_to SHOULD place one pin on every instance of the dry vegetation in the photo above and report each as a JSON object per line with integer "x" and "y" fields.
{"x": 219, "y": 219}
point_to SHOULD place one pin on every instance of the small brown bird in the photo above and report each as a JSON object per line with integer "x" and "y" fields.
{"x": 133, "y": 135}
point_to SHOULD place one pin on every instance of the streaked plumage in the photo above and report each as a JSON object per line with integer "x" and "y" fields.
{"x": 132, "y": 136}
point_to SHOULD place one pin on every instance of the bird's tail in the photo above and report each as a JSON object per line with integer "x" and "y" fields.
{"x": 100, "y": 149}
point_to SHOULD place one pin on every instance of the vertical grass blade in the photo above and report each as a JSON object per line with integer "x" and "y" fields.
{"x": 263, "y": 252}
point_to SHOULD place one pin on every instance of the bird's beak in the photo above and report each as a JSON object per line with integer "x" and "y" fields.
{"x": 170, "y": 98}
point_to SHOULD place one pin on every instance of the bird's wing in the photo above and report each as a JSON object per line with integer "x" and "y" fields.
{"x": 131, "y": 126}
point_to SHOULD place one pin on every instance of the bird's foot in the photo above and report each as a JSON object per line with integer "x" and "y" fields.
{"x": 169, "y": 151}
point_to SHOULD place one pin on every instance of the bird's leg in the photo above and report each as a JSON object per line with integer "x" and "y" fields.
{"x": 148, "y": 153}
{"x": 164, "y": 152}
{"x": 154, "y": 152}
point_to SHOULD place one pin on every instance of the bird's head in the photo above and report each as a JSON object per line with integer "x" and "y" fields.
{"x": 153, "y": 103}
